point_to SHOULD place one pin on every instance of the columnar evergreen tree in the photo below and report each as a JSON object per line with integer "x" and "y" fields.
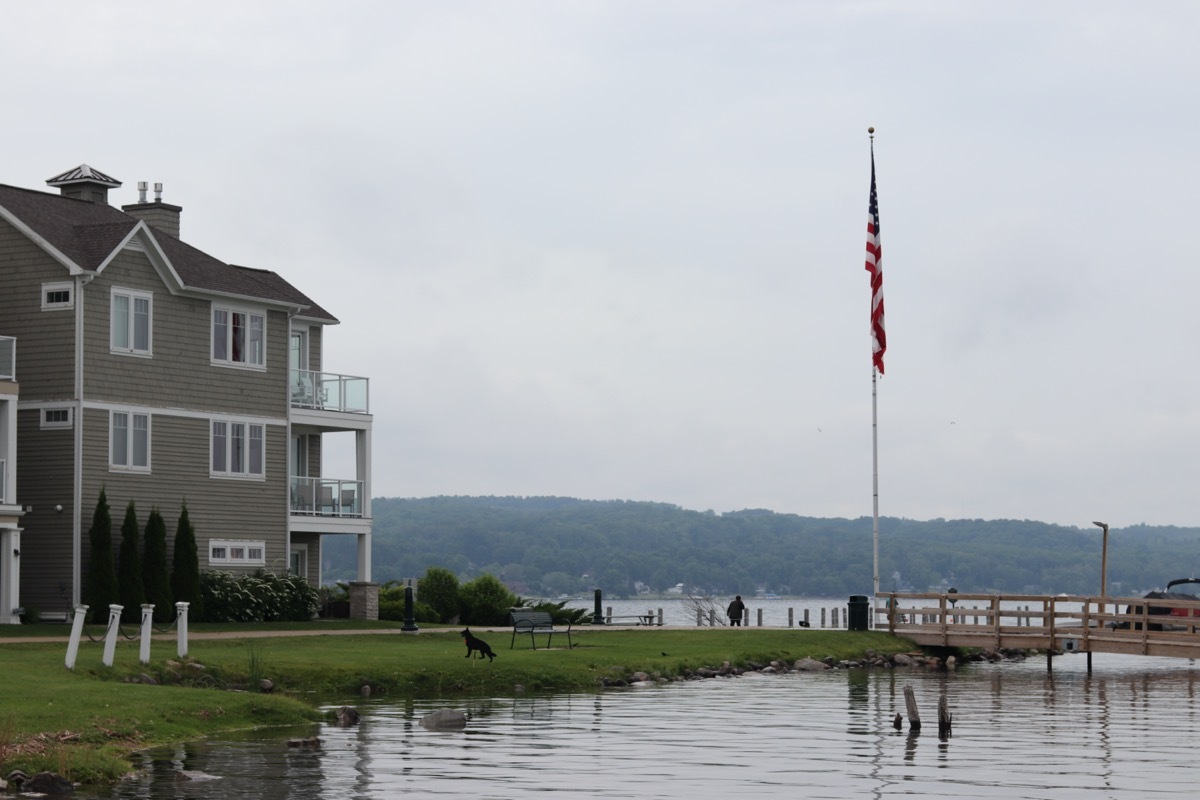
{"x": 156, "y": 576}
{"x": 102, "y": 574}
{"x": 129, "y": 568}
{"x": 185, "y": 566}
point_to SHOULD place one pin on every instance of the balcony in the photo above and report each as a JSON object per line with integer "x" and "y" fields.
{"x": 8, "y": 358}
{"x": 326, "y": 497}
{"x": 326, "y": 391}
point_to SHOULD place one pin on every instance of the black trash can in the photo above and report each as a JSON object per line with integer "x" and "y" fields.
{"x": 858, "y": 613}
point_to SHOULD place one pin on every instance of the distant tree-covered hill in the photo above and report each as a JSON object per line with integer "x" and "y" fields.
{"x": 547, "y": 546}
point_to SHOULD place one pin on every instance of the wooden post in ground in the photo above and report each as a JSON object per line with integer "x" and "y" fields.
{"x": 910, "y": 703}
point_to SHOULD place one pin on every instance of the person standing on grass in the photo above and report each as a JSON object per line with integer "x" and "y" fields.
{"x": 735, "y": 611}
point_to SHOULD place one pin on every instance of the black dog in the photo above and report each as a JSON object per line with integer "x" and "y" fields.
{"x": 475, "y": 643}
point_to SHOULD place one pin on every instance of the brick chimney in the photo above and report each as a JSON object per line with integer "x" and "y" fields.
{"x": 159, "y": 215}
{"x": 85, "y": 183}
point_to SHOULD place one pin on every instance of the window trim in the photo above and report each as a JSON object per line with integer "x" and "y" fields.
{"x": 130, "y": 440}
{"x": 46, "y": 424}
{"x": 225, "y": 357}
{"x": 58, "y": 286}
{"x": 227, "y": 546}
{"x": 248, "y": 452}
{"x": 131, "y": 332}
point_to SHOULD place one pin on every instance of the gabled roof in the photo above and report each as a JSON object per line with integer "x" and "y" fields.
{"x": 87, "y": 235}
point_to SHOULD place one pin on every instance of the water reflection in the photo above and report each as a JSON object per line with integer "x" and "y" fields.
{"x": 1129, "y": 730}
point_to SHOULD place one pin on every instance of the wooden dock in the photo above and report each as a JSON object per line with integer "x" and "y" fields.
{"x": 1130, "y": 625}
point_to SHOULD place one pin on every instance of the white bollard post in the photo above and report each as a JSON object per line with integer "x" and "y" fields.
{"x": 110, "y": 636}
{"x": 147, "y": 622}
{"x": 76, "y": 633}
{"x": 181, "y": 627}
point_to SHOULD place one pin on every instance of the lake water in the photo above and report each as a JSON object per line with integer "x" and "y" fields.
{"x": 1130, "y": 730}
{"x": 676, "y": 611}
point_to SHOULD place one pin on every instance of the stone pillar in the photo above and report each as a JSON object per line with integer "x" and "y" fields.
{"x": 364, "y": 600}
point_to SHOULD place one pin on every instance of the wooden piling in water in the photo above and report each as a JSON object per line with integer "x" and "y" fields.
{"x": 910, "y": 703}
{"x": 943, "y": 716}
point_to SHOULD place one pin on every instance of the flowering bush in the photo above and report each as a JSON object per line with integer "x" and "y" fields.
{"x": 259, "y": 597}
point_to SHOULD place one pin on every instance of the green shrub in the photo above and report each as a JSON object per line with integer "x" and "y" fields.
{"x": 485, "y": 601}
{"x": 129, "y": 568}
{"x": 156, "y": 578}
{"x": 185, "y": 566}
{"x": 439, "y": 589}
{"x": 102, "y": 572}
{"x": 261, "y": 597}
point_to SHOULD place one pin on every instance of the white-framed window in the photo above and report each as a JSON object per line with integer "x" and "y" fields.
{"x": 56, "y": 417}
{"x": 239, "y": 337}
{"x": 58, "y": 295}
{"x": 129, "y": 441}
{"x": 237, "y": 448}
{"x": 236, "y": 552}
{"x": 132, "y": 313}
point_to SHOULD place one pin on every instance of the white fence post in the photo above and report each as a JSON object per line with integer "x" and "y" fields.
{"x": 147, "y": 621}
{"x": 181, "y": 609}
{"x": 110, "y": 636}
{"x": 76, "y": 633}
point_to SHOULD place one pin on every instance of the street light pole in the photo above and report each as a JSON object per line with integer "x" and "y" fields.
{"x": 1103, "y": 582}
{"x": 1103, "y": 560}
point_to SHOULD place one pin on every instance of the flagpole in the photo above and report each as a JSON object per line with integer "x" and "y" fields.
{"x": 879, "y": 345}
{"x": 875, "y": 474}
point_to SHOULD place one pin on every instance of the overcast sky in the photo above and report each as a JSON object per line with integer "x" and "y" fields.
{"x": 615, "y": 250}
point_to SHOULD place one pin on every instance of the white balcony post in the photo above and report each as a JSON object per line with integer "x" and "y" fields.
{"x": 181, "y": 611}
{"x": 76, "y": 633}
{"x": 147, "y": 623}
{"x": 110, "y": 637}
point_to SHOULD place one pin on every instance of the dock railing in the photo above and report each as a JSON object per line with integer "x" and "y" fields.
{"x": 1134, "y": 625}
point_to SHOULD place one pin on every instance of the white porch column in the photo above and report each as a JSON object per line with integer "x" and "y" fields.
{"x": 10, "y": 575}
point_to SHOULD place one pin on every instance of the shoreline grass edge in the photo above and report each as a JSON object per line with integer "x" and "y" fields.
{"x": 87, "y": 723}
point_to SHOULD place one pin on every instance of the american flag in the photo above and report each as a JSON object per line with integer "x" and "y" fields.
{"x": 875, "y": 267}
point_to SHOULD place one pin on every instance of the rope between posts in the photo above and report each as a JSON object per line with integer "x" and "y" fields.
{"x": 127, "y": 636}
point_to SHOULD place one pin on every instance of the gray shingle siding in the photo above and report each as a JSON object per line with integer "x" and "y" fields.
{"x": 44, "y": 479}
{"x": 45, "y": 338}
{"x": 180, "y": 372}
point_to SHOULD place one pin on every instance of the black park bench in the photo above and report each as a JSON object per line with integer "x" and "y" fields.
{"x": 532, "y": 622}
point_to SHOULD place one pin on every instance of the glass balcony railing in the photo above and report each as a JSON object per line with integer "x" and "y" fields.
{"x": 329, "y": 392}
{"x": 8, "y": 358}
{"x": 326, "y": 497}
